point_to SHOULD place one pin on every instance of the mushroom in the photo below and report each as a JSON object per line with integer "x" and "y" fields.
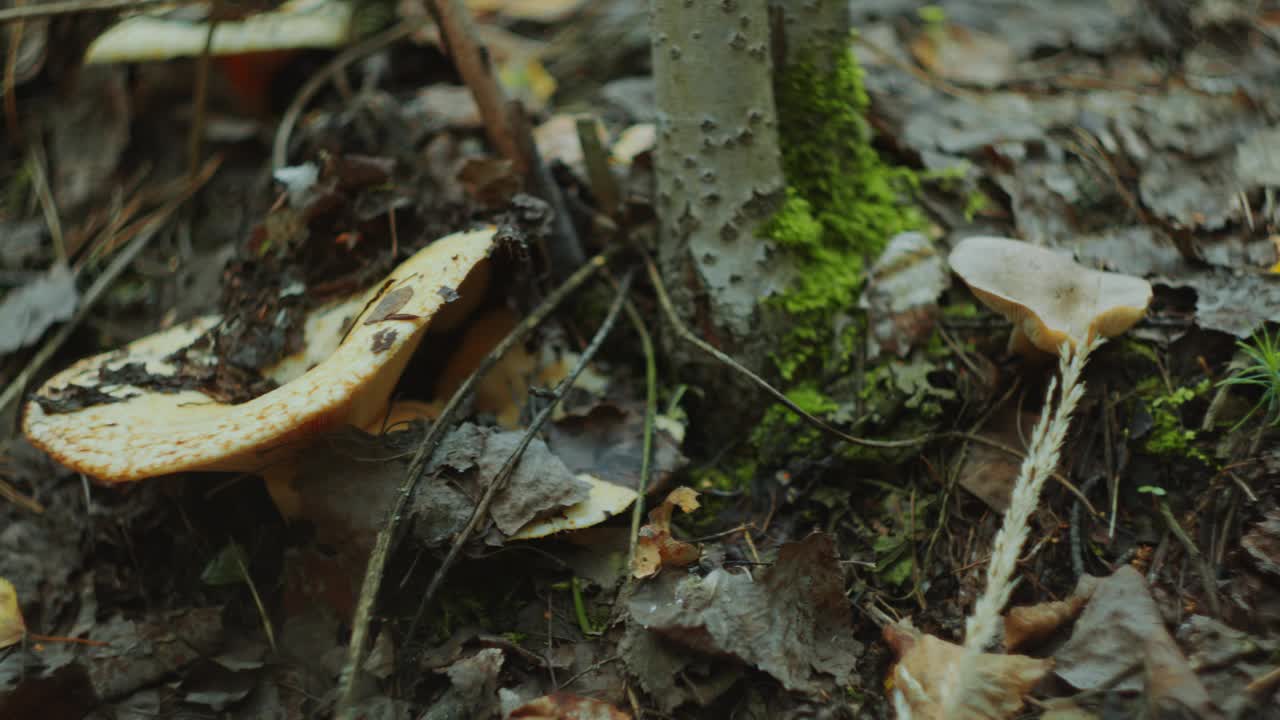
{"x": 1049, "y": 298}
{"x": 345, "y": 378}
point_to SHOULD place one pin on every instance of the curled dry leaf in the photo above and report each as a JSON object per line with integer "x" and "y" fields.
{"x": 564, "y": 706}
{"x": 655, "y": 547}
{"x": 12, "y": 627}
{"x": 926, "y": 665}
{"x": 1034, "y": 623}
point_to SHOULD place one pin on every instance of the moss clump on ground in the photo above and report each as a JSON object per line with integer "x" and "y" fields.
{"x": 781, "y": 426}
{"x": 843, "y": 203}
{"x": 1169, "y": 436}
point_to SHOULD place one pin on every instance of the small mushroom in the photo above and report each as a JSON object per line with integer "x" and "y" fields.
{"x": 139, "y": 432}
{"x": 1049, "y": 298}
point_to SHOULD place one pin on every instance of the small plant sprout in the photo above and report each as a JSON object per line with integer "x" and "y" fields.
{"x": 1262, "y": 371}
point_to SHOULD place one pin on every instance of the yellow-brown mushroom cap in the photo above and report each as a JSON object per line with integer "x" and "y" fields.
{"x": 148, "y": 433}
{"x": 1049, "y": 298}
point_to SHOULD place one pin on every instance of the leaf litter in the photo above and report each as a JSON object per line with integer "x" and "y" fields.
{"x": 1137, "y": 142}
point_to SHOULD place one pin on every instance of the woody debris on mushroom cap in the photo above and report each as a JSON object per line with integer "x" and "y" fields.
{"x": 138, "y": 432}
{"x": 1049, "y": 298}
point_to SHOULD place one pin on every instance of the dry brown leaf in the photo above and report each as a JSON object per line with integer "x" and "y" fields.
{"x": 655, "y": 547}
{"x": 927, "y": 665}
{"x": 1033, "y": 623}
{"x": 965, "y": 55}
{"x": 12, "y": 627}
{"x": 988, "y": 472}
{"x": 564, "y": 706}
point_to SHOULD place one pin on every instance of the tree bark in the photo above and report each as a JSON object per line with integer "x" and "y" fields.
{"x": 719, "y": 170}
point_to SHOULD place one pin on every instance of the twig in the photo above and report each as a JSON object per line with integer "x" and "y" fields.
{"x": 683, "y": 331}
{"x": 11, "y": 494}
{"x": 147, "y": 230}
{"x": 10, "y": 83}
{"x": 603, "y": 184}
{"x": 506, "y": 125}
{"x": 565, "y": 251}
{"x": 368, "y": 46}
{"x": 472, "y": 62}
{"x": 40, "y": 181}
{"x": 200, "y": 95}
{"x": 382, "y": 548}
{"x": 650, "y": 410}
{"x": 257, "y": 601}
{"x": 499, "y": 480}
{"x": 1193, "y": 552}
{"x": 32, "y": 12}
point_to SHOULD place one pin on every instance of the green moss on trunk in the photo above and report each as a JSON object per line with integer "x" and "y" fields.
{"x": 843, "y": 204}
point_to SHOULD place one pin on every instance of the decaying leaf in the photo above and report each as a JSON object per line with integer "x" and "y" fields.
{"x": 563, "y": 706}
{"x": 473, "y": 688}
{"x": 928, "y": 665}
{"x": 12, "y": 627}
{"x": 1263, "y": 543}
{"x": 25, "y": 313}
{"x": 603, "y": 502}
{"x": 988, "y": 472}
{"x": 965, "y": 55}
{"x": 1120, "y": 631}
{"x": 607, "y": 441}
{"x": 901, "y": 297}
{"x": 1033, "y": 623}
{"x": 792, "y": 620}
{"x": 655, "y": 547}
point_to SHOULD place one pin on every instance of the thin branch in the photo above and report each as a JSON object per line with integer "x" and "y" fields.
{"x": 362, "y": 49}
{"x": 473, "y": 64}
{"x": 382, "y": 548}
{"x": 499, "y": 480}
{"x": 146, "y": 229}
{"x": 650, "y": 410}
{"x": 683, "y": 331}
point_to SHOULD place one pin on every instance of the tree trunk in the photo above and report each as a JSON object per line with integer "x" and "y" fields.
{"x": 719, "y": 170}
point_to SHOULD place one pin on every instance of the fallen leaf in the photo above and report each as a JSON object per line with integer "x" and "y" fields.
{"x": 792, "y": 620}
{"x": 1027, "y": 624}
{"x": 655, "y": 547}
{"x": 491, "y": 182}
{"x": 633, "y": 142}
{"x": 1121, "y": 630}
{"x": 25, "y": 313}
{"x": 563, "y": 706}
{"x": 604, "y": 501}
{"x": 473, "y": 688}
{"x": 1263, "y": 543}
{"x": 12, "y": 627}
{"x": 607, "y": 441}
{"x": 988, "y": 472}
{"x": 901, "y": 296}
{"x": 964, "y": 55}
{"x": 928, "y": 665}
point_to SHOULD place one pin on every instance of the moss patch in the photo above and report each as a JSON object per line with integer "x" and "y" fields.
{"x": 1169, "y": 436}
{"x": 843, "y": 204}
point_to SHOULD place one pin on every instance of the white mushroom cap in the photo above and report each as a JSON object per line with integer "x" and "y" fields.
{"x": 152, "y": 433}
{"x": 1049, "y": 298}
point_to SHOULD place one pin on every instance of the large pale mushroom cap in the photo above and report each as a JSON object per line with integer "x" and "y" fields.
{"x": 1049, "y": 298}
{"x": 149, "y": 433}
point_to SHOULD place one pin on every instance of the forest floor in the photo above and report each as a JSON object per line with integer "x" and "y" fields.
{"x": 1141, "y": 138}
